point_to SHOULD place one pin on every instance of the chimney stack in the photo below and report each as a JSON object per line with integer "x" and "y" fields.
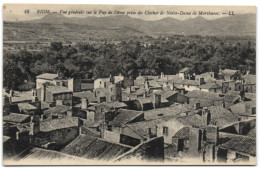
{"x": 34, "y": 125}
{"x": 172, "y": 86}
{"x": 212, "y": 134}
{"x": 43, "y": 92}
{"x": 11, "y": 92}
{"x": 206, "y": 116}
{"x": 162, "y": 75}
{"x": 84, "y": 103}
{"x": 144, "y": 94}
{"x": 157, "y": 100}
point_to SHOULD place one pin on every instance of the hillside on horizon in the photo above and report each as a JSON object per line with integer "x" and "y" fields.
{"x": 238, "y": 25}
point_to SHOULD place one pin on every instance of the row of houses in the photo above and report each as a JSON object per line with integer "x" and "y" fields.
{"x": 162, "y": 118}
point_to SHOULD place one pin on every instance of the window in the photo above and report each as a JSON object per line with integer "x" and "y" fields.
{"x": 100, "y": 82}
{"x": 165, "y": 131}
{"x": 102, "y": 109}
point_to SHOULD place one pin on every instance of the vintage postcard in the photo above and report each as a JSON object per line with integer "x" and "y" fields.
{"x": 129, "y": 85}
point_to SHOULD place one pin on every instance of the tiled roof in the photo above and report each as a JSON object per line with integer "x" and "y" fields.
{"x": 26, "y": 106}
{"x": 210, "y": 86}
{"x": 16, "y": 118}
{"x": 45, "y": 155}
{"x": 58, "y": 89}
{"x": 145, "y": 100}
{"x": 13, "y": 147}
{"x": 190, "y": 82}
{"x": 184, "y": 70}
{"x": 164, "y": 112}
{"x": 55, "y": 124}
{"x": 249, "y": 79}
{"x": 191, "y": 120}
{"x": 49, "y": 76}
{"x": 252, "y": 133}
{"x": 87, "y": 94}
{"x": 231, "y": 96}
{"x": 203, "y": 95}
{"x": 243, "y": 108}
{"x": 23, "y": 98}
{"x": 57, "y": 109}
{"x": 142, "y": 127}
{"x": 251, "y": 96}
{"x": 149, "y": 100}
{"x": 166, "y": 94}
{"x": 113, "y": 104}
{"x": 183, "y": 133}
{"x": 124, "y": 117}
{"x": 89, "y": 147}
{"x": 222, "y": 116}
{"x": 242, "y": 144}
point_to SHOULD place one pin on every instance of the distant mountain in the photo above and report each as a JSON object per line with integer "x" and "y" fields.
{"x": 232, "y": 25}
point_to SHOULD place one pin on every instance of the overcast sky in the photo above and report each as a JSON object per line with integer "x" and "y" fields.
{"x": 14, "y": 12}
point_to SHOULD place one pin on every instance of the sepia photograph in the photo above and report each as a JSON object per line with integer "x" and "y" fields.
{"x": 88, "y": 84}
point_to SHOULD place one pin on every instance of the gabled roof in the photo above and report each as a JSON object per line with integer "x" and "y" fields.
{"x": 231, "y": 96}
{"x": 183, "y": 133}
{"x": 184, "y": 70}
{"x": 125, "y": 116}
{"x": 222, "y": 116}
{"x": 242, "y": 144}
{"x": 243, "y": 108}
{"x": 58, "y": 89}
{"x": 49, "y": 76}
{"x": 57, "y": 109}
{"x": 16, "y": 118}
{"x": 166, "y": 94}
{"x": 89, "y": 147}
{"x": 142, "y": 127}
{"x": 203, "y": 95}
{"x": 55, "y": 124}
